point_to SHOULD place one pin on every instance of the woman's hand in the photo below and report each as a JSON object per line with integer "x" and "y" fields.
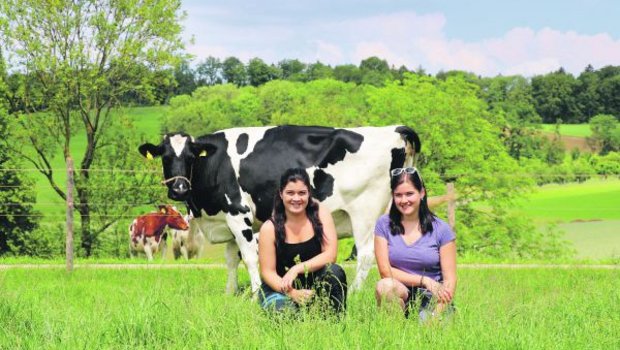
{"x": 289, "y": 277}
{"x": 301, "y": 296}
{"x": 439, "y": 291}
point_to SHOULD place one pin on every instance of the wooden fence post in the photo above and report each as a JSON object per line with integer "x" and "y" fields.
{"x": 451, "y": 205}
{"x": 69, "y": 240}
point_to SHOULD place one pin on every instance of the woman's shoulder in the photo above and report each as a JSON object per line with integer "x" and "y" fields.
{"x": 383, "y": 218}
{"x": 442, "y": 229}
{"x": 267, "y": 227}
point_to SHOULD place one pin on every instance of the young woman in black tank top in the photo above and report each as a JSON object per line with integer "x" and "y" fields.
{"x": 297, "y": 250}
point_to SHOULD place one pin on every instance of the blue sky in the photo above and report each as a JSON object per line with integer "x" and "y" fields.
{"x": 486, "y": 37}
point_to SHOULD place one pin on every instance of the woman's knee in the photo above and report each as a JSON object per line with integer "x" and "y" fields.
{"x": 337, "y": 272}
{"x": 388, "y": 288}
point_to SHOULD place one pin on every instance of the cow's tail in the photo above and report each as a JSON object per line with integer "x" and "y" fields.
{"x": 412, "y": 144}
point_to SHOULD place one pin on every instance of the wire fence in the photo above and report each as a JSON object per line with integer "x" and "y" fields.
{"x": 105, "y": 210}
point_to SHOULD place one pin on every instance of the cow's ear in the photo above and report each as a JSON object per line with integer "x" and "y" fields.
{"x": 162, "y": 209}
{"x": 149, "y": 150}
{"x": 203, "y": 149}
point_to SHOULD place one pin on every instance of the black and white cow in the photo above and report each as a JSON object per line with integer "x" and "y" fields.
{"x": 229, "y": 179}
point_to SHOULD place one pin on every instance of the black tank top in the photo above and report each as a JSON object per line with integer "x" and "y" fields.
{"x": 289, "y": 254}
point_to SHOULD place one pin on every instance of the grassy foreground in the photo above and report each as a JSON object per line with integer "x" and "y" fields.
{"x": 537, "y": 308}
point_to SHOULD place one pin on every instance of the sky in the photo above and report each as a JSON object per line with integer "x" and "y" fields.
{"x": 526, "y": 37}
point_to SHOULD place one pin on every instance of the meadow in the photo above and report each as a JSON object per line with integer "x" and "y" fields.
{"x": 577, "y": 130}
{"x": 588, "y": 213}
{"x": 530, "y": 308}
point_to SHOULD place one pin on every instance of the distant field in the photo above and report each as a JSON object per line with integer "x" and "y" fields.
{"x": 589, "y": 214}
{"x": 579, "y": 130}
{"x": 593, "y": 200}
{"x": 594, "y": 239}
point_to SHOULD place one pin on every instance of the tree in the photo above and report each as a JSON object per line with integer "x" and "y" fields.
{"x": 554, "y": 97}
{"x": 17, "y": 216}
{"x": 375, "y": 71}
{"x": 185, "y": 79}
{"x": 605, "y": 133}
{"x": 318, "y": 70}
{"x": 292, "y": 70}
{"x": 348, "y": 73}
{"x": 209, "y": 72}
{"x": 234, "y": 71}
{"x": 78, "y": 50}
{"x": 587, "y": 94}
{"x": 259, "y": 72}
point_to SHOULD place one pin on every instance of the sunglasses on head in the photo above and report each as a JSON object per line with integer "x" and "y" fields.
{"x": 398, "y": 171}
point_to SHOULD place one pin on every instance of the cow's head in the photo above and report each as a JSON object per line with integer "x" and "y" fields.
{"x": 173, "y": 217}
{"x": 178, "y": 152}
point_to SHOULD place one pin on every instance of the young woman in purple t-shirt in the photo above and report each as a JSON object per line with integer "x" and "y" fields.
{"x": 415, "y": 250}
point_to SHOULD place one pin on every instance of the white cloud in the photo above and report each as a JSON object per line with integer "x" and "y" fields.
{"x": 405, "y": 38}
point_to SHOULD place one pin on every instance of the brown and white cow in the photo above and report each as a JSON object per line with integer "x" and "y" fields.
{"x": 147, "y": 232}
{"x": 188, "y": 243}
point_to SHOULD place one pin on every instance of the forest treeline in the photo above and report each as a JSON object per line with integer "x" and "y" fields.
{"x": 555, "y": 97}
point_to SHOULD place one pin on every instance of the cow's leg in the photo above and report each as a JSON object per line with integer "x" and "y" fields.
{"x": 364, "y": 242}
{"x": 148, "y": 251}
{"x": 199, "y": 240}
{"x": 241, "y": 227}
{"x": 164, "y": 246}
{"x": 184, "y": 251}
{"x": 232, "y": 262}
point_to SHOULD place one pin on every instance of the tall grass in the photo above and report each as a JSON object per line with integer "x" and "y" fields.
{"x": 535, "y": 308}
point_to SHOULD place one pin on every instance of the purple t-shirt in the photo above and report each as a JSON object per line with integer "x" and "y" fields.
{"x": 421, "y": 257}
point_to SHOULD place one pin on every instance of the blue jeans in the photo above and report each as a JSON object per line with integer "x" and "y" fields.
{"x": 420, "y": 301}
{"x": 329, "y": 282}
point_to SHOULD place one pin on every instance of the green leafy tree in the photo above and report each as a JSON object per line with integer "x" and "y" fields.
{"x": 554, "y": 97}
{"x": 260, "y": 72}
{"x": 609, "y": 93}
{"x": 605, "y": 133}
{"x": 292, "y": 70}
{"x": 213, "y": 108}
{"x": 209, "y": 72}
{"x": 587, "y": 94}
{"x": 234, "y": 72}
{"x": 185, "y": 78}
{"x": 511, "y": 106}
{"x": 348, "y": 73}
{"x": 78, "y": 50}
{"x": 318, "y": 70}
{"x": 375, "y": 71}
{"x": 17, "y": 216}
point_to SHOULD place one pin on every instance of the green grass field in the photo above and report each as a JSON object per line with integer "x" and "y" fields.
{"x": 592, "y": 200}
{"x": 578, "y": 130}
{"x": 589, "y": 214}
{"x": 534, "y": 308}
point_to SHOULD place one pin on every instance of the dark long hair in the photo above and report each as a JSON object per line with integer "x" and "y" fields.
{"x": 312, "y": 209}
{"x": 425, "y": 214}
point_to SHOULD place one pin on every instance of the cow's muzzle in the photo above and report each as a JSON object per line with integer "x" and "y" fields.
{"x": 180, "y": 187}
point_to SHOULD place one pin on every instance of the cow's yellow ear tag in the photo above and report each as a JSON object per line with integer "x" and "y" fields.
{"x": 163, "y": 210}
{"x": 149, "y": 156}
{"x": 203, "y": 154}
